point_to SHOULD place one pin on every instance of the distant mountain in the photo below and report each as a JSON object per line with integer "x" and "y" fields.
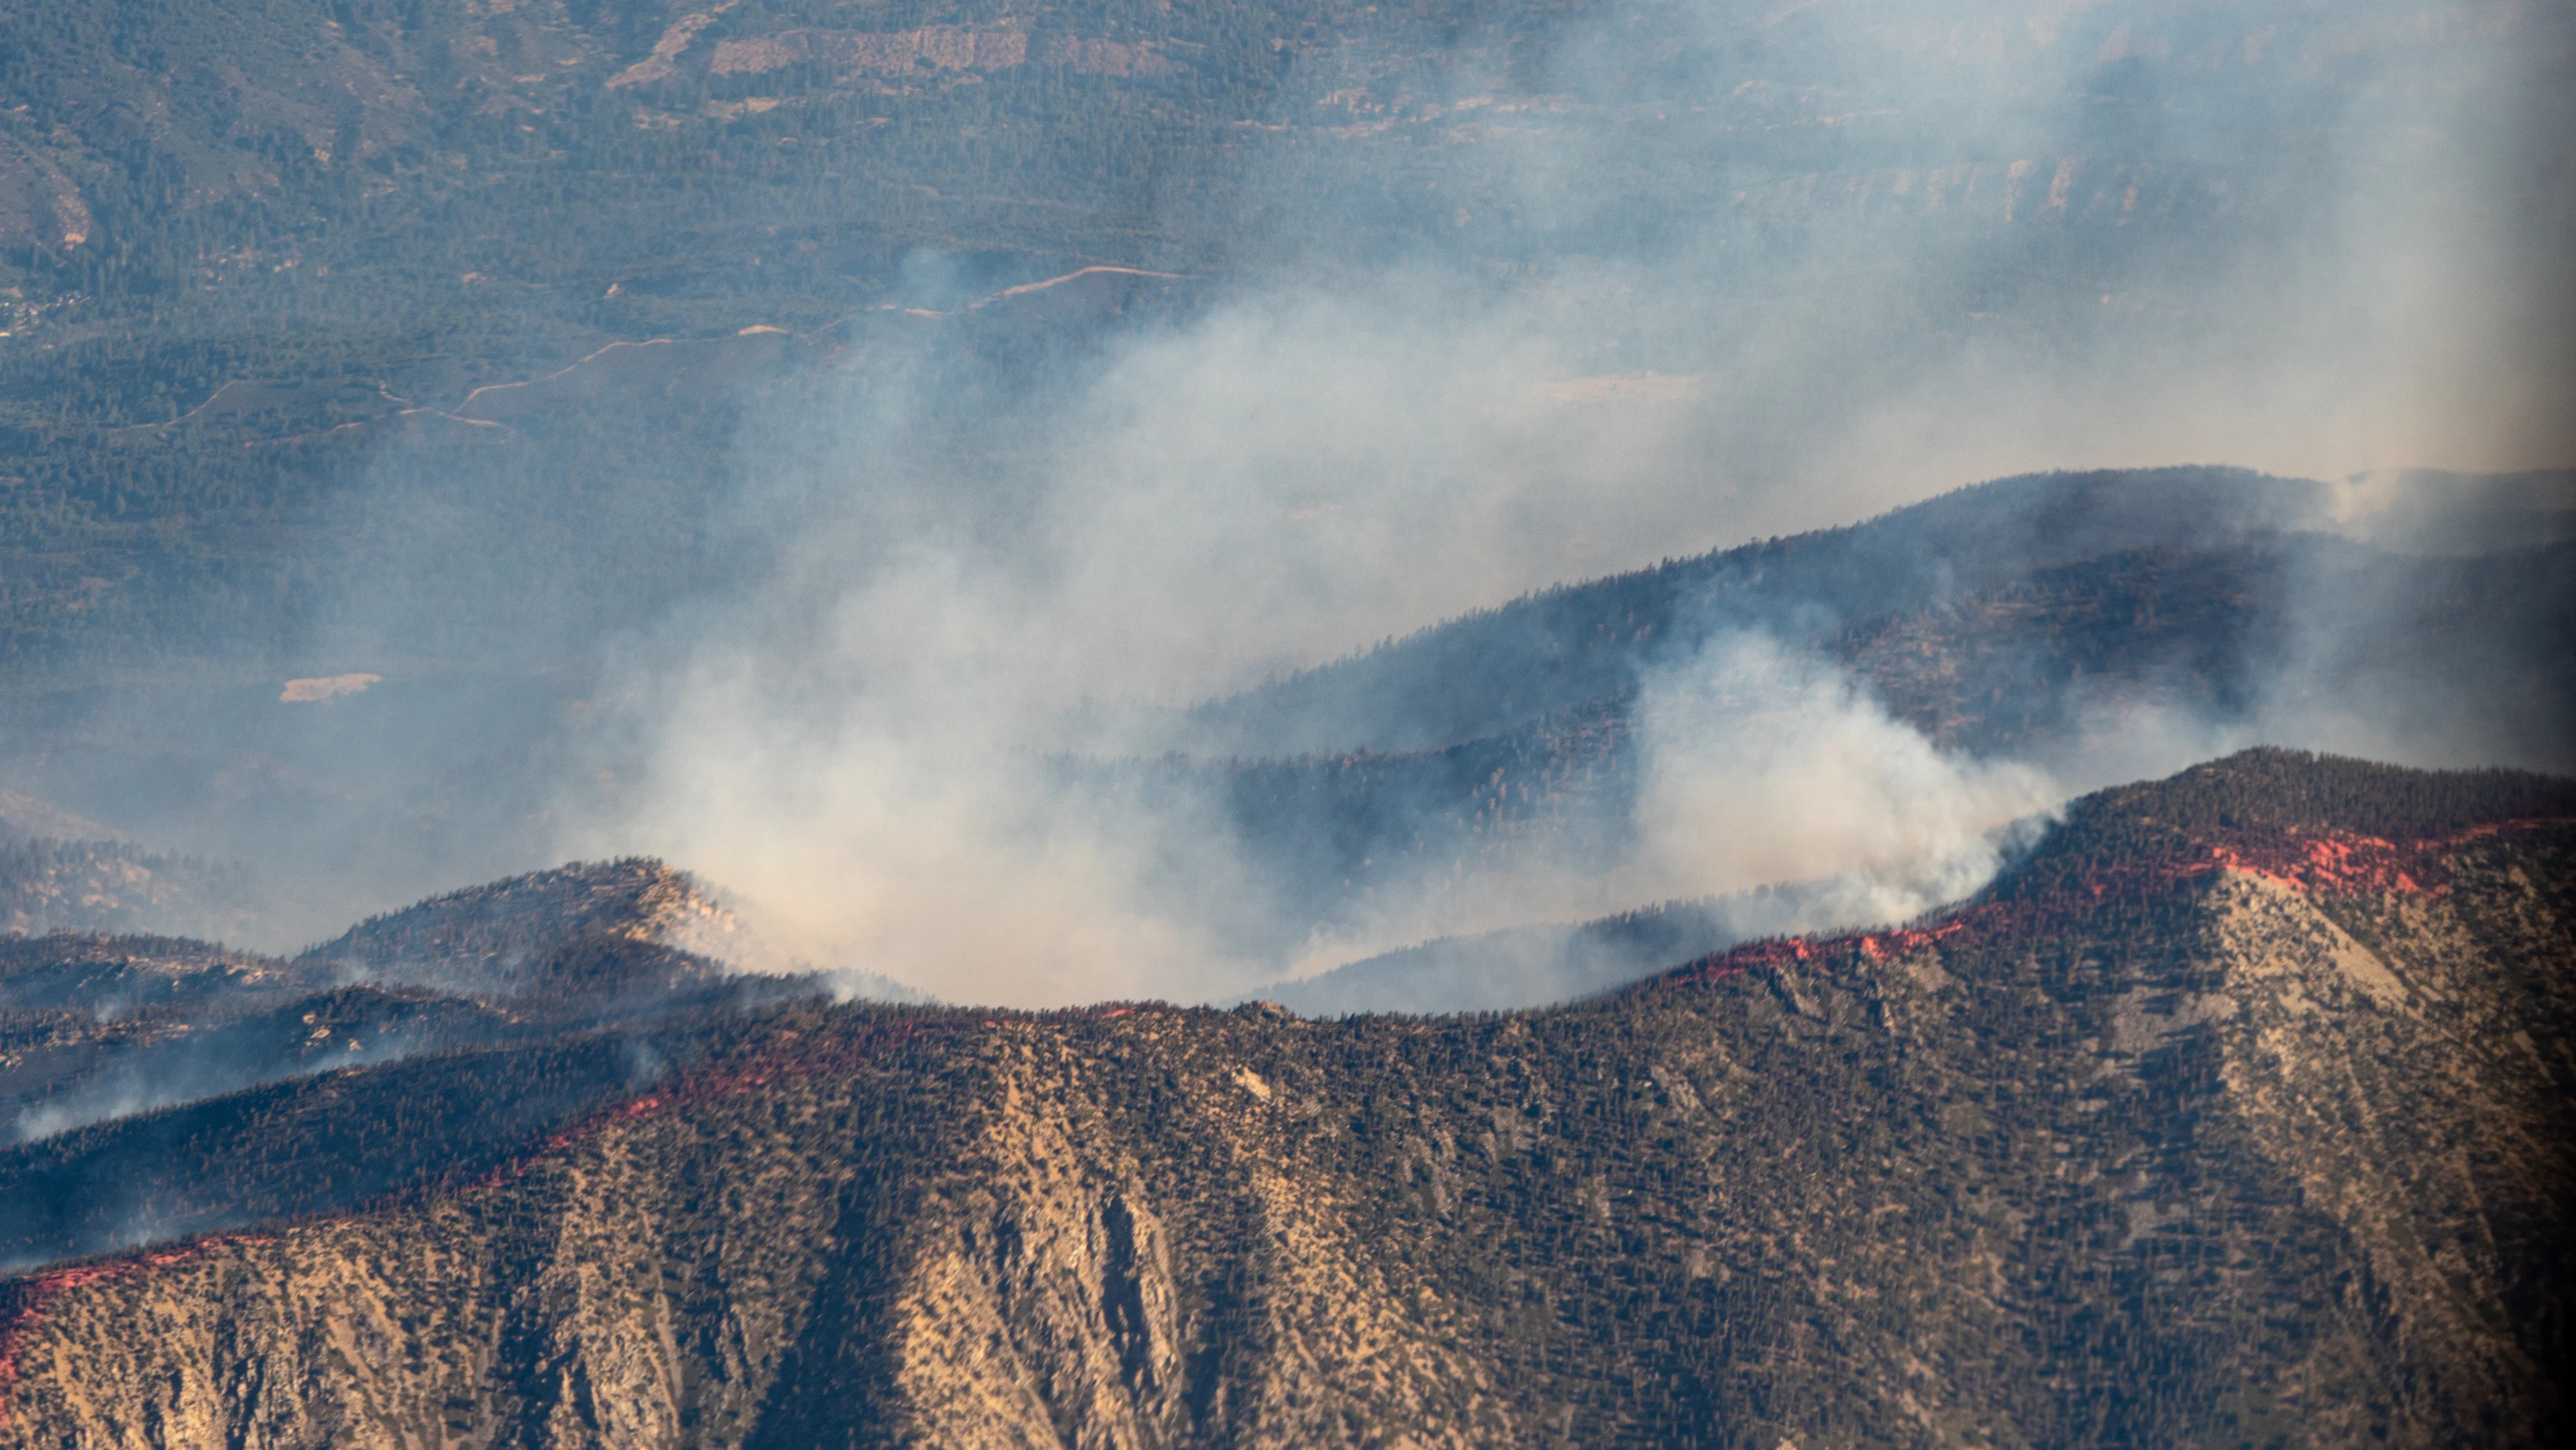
{"x": 2007, "y": 587}
{"x": 25, "y": 818}
{"x": 2009, "y": 620}
{"x": 2235, "y": 1113}
{"x": 49, "y": 884}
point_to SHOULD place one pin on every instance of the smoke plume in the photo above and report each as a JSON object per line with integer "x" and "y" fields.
{"x": 986, "y": 570}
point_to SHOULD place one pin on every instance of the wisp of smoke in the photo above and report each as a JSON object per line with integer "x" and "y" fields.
{"x": 169, "y": 1077}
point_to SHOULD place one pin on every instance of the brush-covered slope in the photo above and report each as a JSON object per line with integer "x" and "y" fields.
{"x": 156, "y": 1085}
{"x": 543, "y": 934}
{"x": 2237, "y": 1115}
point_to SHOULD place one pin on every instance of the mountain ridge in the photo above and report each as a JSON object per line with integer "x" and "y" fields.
{"x": 1924, "y": 556}
{"x": 1980, "y": 1180}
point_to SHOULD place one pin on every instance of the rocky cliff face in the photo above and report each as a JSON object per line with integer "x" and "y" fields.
{"x": 2235, "y": 1115}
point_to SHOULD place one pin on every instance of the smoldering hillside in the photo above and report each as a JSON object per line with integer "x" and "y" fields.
{"x": 1866, "y": 710}
{"x": 1378, "y": 509}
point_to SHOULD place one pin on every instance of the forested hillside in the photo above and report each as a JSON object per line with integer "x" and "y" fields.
{"x": 1983, "y": 599}
{"x": 2224, "y": 1119}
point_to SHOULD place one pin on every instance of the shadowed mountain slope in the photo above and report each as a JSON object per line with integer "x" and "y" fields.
{"x": 2012, "y": 586}
{"x": 2235, "y": 1114}
{"x": 2022, "y": 619}
{"x": 1533, "y": 966}
{"x": 129, "y": 1065}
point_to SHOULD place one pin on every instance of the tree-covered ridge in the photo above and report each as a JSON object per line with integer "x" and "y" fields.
{"x": 2105, "y": 1183}
{"x": 2321, "y": 823}
{"x": 1576, "y": 643}
{"x": 2297, "y": 790}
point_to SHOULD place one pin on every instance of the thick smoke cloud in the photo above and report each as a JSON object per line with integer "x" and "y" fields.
{"x": 1674, "y": 278}
{"x": 1759, "y": 766}
{"x": 867, "y": 747}
{"x": 1767, "y": 767}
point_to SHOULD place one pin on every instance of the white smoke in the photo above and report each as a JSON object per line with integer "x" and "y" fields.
{"x": 1766, "y": 766}
{"x": 1308, "y": 464}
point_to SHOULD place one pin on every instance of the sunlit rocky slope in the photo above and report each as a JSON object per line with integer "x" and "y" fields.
{"x": 2236, "y": 1113}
